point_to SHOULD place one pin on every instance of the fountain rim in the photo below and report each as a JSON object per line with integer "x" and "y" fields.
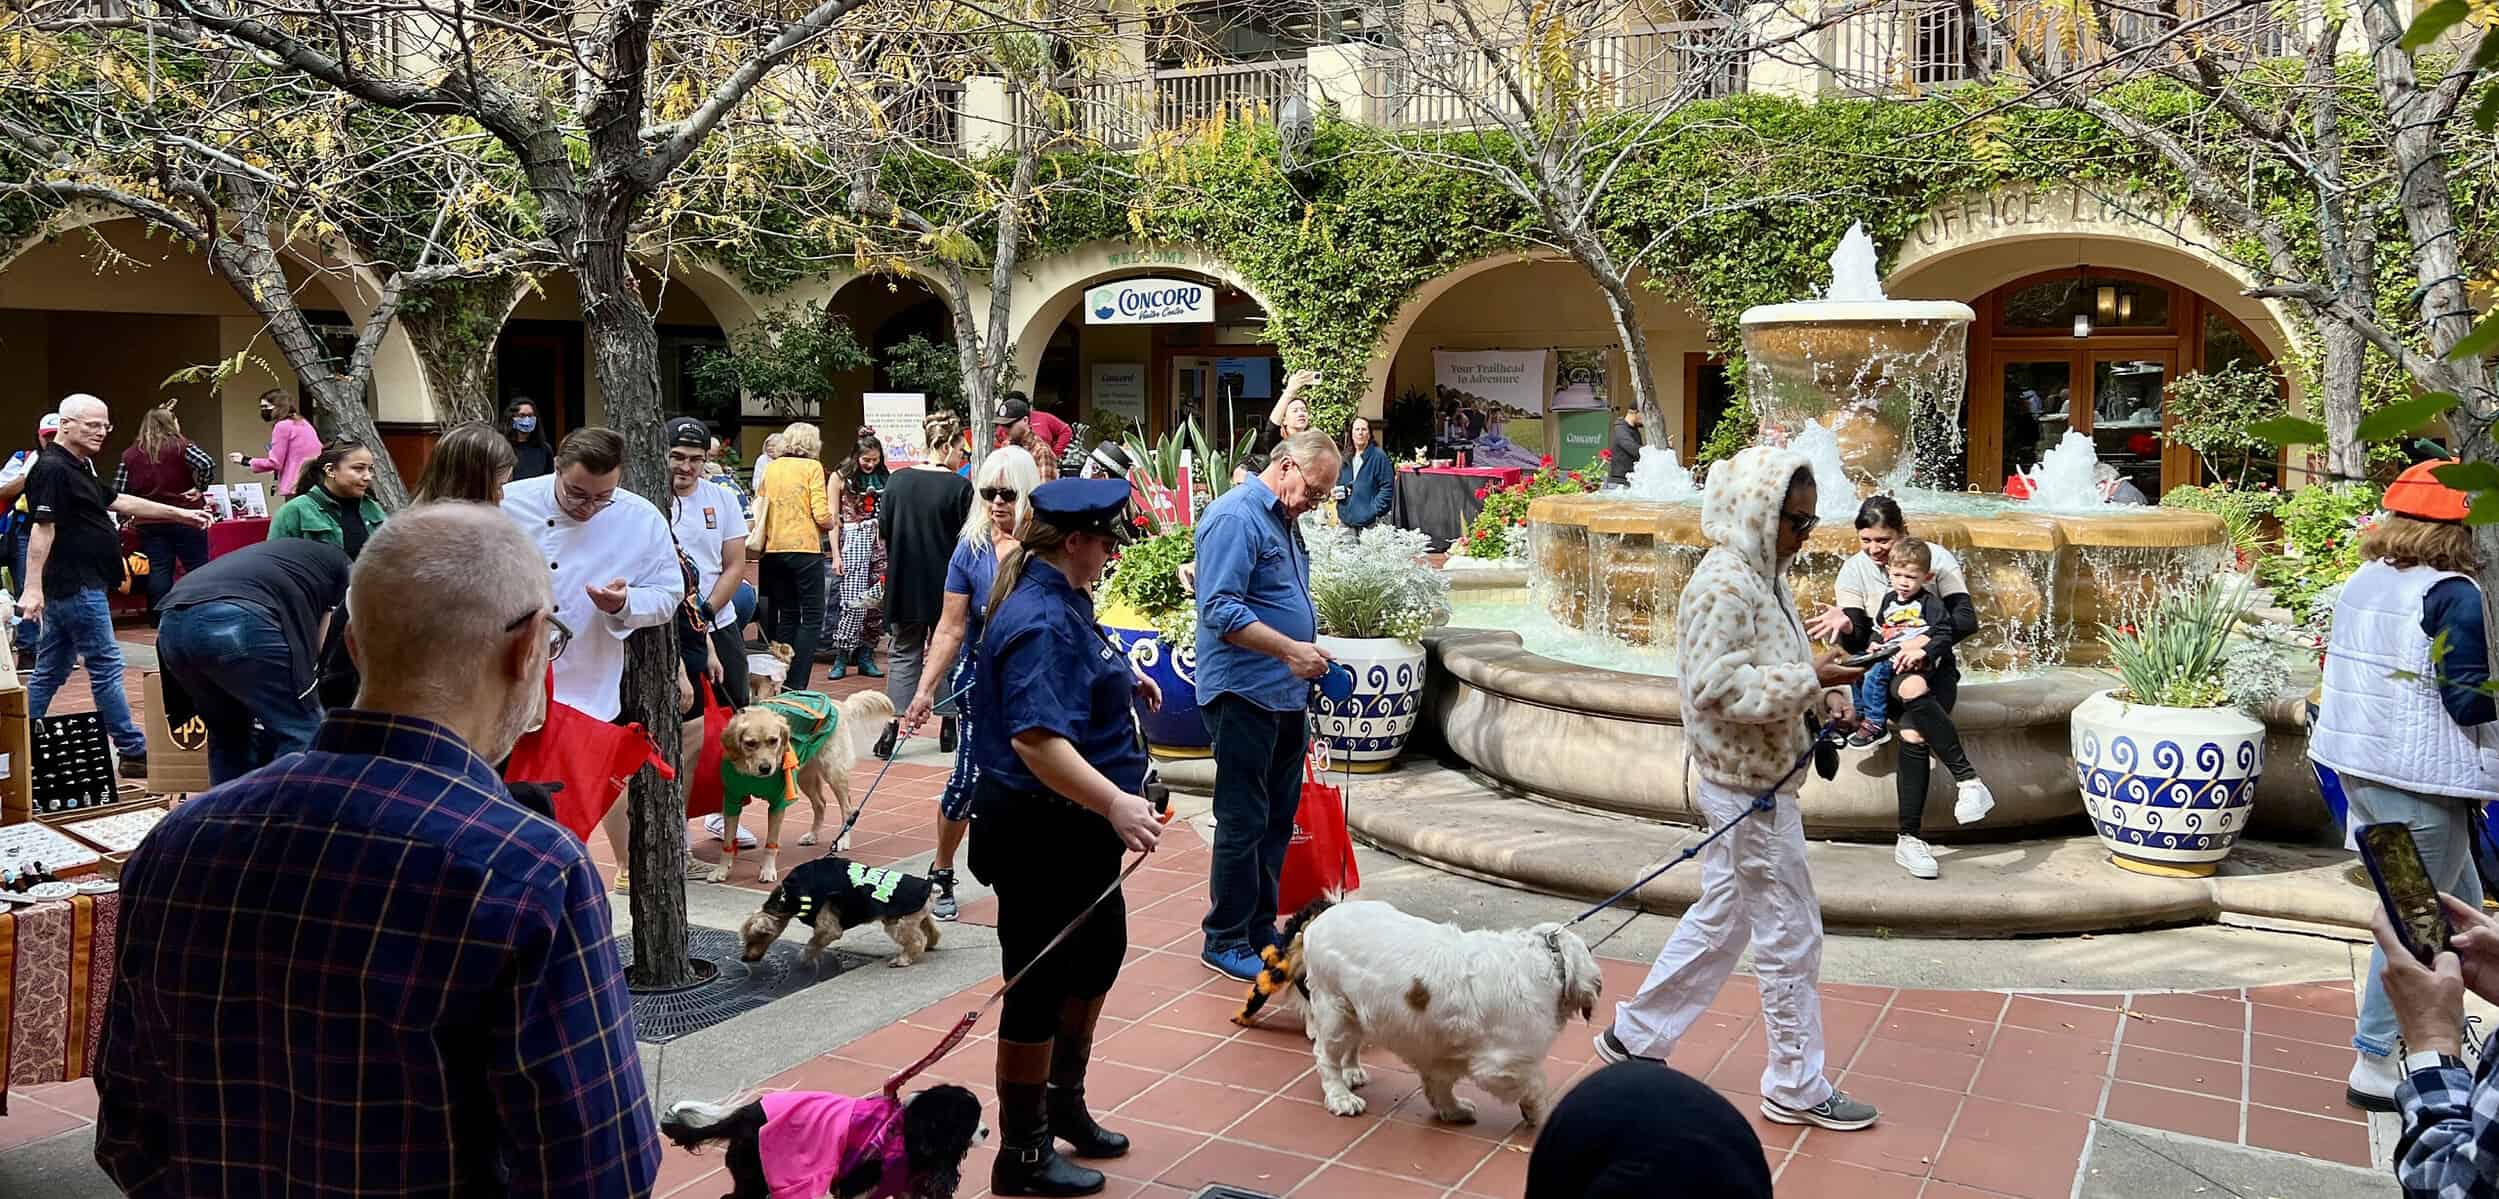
{"x": 1857, "y": 312}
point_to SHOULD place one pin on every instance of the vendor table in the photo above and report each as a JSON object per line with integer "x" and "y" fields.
{"x": 227, "y": 536}
{"x": 56, "y": 973}
{"x": 1440, "y": 502}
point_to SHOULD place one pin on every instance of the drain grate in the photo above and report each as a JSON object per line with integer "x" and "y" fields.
{"x": 1220, "y": 1191}
{"x": 739, "y": 988}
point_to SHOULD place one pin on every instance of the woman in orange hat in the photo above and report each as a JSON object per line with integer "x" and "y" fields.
{"x": 2404, "y": 719}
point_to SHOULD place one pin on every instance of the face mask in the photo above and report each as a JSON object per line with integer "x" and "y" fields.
{"x": 524, "y": 424}
{"x": 269, "y": 414}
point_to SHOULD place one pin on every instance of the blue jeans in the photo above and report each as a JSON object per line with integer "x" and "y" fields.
{"x": 2442, "y": 827}
{"x": 1874, "y": 692}
{"x": 168, "y": 546}
{"x": 1258, "y": 759}
{"x": 26, "y": 629}
{"x": 234, "y": 663}
{"x": 75, "y": 627}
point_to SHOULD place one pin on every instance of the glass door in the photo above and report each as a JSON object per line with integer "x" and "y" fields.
{"x": 2127, "y": 424}
{"x": 1193, "y": 396}
{"x": 2027, "y": 406}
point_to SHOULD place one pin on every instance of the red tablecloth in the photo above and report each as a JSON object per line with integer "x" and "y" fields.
{"x": 56, "y": 973}
{"x": 1504, "y": 475}
{"x": 227, "y": 536}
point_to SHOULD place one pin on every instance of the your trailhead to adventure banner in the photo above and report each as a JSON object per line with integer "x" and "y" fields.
{"x": 1488, "y": 379}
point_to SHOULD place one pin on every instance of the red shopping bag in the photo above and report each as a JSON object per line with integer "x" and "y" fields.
{"x": 703, "y": 792}
{"x": 1321, "y": 859}
{"x": 591, "y": 759}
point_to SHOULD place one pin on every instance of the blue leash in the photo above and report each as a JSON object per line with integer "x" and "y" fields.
{"x": 1761, "y": 803}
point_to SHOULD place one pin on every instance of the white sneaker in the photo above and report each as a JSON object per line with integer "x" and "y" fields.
{"x": 2373, "y": 1080}
{"x": 1914, "y": 857}
{"x": 1975, "y": 803}
{"x": 716, "y": 826}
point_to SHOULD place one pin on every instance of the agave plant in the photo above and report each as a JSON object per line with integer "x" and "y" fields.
{"x": 1219, "y": 462}
{"x": 2174, "y": 655}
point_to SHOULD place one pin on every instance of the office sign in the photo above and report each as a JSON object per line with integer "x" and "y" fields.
{"x": 1150, "y": 301}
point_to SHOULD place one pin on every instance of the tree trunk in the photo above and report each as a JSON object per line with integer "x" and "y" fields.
{"x": 624, "y": 351}
{"x": 2346, "y": 352}
{"x": 1624, "y": 309}
{"x": 251, "y": 268}
{"x": 453, "y": 328}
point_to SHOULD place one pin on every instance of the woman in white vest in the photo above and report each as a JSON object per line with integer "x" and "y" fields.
{"x": 2412, "y": 738}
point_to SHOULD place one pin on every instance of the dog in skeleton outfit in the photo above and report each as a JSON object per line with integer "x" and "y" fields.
{"x": 832, "y": 895}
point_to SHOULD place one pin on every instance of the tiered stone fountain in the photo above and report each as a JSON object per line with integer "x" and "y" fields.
{"x": 1869, "y": 389}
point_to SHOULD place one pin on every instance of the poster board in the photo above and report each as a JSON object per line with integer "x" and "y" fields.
{"x": 1510, "y": 381}
{"x": 1170, "y": 506}
{"x": 1119, "y": 387}
{"x": 250, "y": 501}
{"x": 219, "y": 499}
{"x": 896, "y": 417}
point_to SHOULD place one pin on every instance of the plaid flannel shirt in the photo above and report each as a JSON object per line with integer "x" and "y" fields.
{"x": 2450, "y": 1145}
{"x": 203, "y": 468}
{"x": 364, "y": 971}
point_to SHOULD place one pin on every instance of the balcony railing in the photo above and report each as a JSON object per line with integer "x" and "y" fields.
{"x": 1457, "y": 87}
{"x": 1124, "y": 113}
{"x": 1911, "y": 46}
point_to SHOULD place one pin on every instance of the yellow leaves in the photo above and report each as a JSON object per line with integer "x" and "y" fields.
{"x": 676, "y": 102}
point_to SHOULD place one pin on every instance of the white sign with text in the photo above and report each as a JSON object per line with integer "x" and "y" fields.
{"x": 896, "y": 417}
{"x": 1151, "y": 301}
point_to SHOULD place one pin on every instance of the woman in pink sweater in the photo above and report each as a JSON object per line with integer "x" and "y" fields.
{"x": 292, "y": 442}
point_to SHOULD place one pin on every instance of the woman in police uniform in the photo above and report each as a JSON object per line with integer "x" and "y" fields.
{"x": 1057, "y": 807}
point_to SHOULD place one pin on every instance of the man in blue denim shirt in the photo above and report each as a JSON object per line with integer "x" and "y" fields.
{"x": 1255, "y": 660}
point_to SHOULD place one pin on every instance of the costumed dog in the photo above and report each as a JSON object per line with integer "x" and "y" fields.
{"x": 797, "y": 742}
{"x": 1453, "y": 1004}
{"x": 765, "y": 672}
{"x": 833, "y": 895}
{"x": 793, "y": 1143}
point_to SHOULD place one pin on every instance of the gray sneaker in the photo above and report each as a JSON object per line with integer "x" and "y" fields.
{"x": 1838, "y": 1113}
{"x": 1611, "y": 1049}
{"x": 943, "y": 906}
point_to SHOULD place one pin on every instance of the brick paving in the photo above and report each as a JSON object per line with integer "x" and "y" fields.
{"x": 1984, "y": 1093}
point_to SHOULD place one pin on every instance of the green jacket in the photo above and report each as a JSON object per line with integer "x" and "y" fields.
{"x": 307, "y": 517}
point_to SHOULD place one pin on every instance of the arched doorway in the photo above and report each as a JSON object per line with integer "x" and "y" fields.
{"x": 2092, "y": 350}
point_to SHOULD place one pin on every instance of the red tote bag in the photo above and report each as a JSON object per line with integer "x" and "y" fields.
{"x": 1321, "y": 859}
{"x": 703, "y": 792}
{"x": 591, "y": 759}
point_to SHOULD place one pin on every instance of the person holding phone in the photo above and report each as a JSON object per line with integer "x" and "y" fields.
{"x": 2403, "y": 719}
{"x": 2450, "y": 1140}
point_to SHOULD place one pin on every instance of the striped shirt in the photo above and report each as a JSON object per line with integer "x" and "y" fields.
{"x": 363, "y": 971}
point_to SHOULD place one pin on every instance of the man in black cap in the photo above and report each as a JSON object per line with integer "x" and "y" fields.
{"x": 710, "y": 525}
{"x": 1018, "y": 414}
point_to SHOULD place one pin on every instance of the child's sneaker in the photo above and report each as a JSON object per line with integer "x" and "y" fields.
{"x": 1975, "y": 802}
{"x": 1868, "y": 735}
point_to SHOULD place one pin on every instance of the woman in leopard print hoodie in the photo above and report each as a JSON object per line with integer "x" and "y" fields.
{"x": 1749, "y": 680}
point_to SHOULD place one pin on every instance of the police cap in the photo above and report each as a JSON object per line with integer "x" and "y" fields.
{"x": 1085, "y": 506}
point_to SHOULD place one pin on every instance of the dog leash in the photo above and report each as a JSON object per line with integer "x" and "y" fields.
{"x": 860, "y": 809}
{"x": 1761, "y": 803}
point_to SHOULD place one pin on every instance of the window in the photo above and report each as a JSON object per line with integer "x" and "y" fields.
{"x": 2108, "y": 303}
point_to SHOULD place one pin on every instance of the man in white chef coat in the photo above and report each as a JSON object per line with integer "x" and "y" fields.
{"x": 614, "y": 570}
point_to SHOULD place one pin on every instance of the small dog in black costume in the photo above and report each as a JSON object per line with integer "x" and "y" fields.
{"x": 834, "y": 894}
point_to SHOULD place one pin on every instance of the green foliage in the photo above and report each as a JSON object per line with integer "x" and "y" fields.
{"x": 786, "y": 358}
{"x": 932, "y": 368}
{"x": 1500, "y": 530}
{"x": 1105, "y": 425}
{"x": 1145, "y": 579}
{"x": 2214, "y": 411}
{"x": 2174, "y": 657}
{"x": 1376, "y": 584}
{"x": 2321, "y": 529}
{"x": 2242, "y": 511}
{"x": 1215, "y": 463}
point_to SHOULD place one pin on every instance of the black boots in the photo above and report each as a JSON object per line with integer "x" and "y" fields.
{"x": 1070, "y": 1053}
{"x": 1028, "y": 1161}
{"x": 885, "y": 744}
{"x": 945, "y": 734}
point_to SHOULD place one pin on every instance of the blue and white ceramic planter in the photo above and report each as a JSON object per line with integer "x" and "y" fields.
{"x": 2169, "y": 790}
{"x": 1179, "y": 730}
{"x": 1368, "y": 728}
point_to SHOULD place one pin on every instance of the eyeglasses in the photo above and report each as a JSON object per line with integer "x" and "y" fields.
{"x": 559, "y": 634}
{"x": 574, "y": 498}
{"x": 1803, "y": 522}
{"x": 1000, "y": 495}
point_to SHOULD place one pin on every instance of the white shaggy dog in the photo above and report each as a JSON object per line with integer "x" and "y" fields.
{"x": 1453, "y": 1004}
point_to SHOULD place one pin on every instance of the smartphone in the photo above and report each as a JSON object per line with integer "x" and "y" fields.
{"x": 2404, "y": 886}
{"x": 1871, "y": 656}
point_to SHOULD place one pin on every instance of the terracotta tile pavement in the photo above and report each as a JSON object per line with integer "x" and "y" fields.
{"x": 1984, "y": 1093}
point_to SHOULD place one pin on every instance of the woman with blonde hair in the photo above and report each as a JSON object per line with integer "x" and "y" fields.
{"x": 2404, "y": 720}
{"x": 1004, "y": 490}
{"x": 472, "y": 462}
{"x": 164, "y": 466}
{"x": 793, "y": 513}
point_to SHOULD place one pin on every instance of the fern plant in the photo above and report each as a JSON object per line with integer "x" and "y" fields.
{"x": 2174, "y": 657}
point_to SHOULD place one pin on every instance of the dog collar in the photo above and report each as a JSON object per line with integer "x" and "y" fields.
{"x": 1561, "y": 972}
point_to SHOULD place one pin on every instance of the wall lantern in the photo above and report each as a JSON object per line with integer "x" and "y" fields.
{"x": 2082, "y": 324}
{"x": 2107, "y": 306}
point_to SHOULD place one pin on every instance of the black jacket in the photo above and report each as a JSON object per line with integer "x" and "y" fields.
{"x": 1626, "y": 446}
{"x": 1948, "y": 622}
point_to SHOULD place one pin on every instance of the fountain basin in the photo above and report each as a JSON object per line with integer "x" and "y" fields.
{"x": 1877, "y": 374}
{"x": 2044, "y": 583}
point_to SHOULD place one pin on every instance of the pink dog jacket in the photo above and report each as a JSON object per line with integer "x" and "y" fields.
{"x": 811, "y": 1138}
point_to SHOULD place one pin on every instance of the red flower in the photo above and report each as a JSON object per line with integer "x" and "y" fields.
{"x": 1481, "y": 534}
{"x": 1482, "y": 492}
{"x": 1519, "y": 488}
{"x": 1547, "y": 460}
{"x": 1140, "y": 522}
{"x": 1605, "y": 453}
{"x": 1576, "y": 477}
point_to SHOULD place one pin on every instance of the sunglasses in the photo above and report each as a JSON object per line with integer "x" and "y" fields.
{"x": 1803, "y": 522}
{"x": 1000, "y": 495}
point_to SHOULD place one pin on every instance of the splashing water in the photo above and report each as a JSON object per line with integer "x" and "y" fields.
{"x": 1836, "y": 497}
{"x": 1659, "y": 475}
{"x": 2067, "y": 477}
{"x": 1853, "y": 280}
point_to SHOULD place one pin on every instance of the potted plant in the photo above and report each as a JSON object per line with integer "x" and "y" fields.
{"x": 2168, "y": 760}
{"x": 1155, "y": 618}
{"x": 1374, "y": 596}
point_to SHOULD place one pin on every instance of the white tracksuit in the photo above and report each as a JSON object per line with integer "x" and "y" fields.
{"x": 1748, "y": 685}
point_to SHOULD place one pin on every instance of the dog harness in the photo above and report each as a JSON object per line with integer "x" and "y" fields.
{"x": 857, "y": 894}
{"x": 812, "y": 1138}
{"x": 813, "y": 718}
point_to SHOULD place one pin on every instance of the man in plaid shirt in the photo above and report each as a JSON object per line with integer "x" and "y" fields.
{"x": 363, "y": 970}
{"x": 2450, "y": 1145}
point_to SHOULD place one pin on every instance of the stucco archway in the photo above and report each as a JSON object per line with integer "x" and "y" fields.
{"x": 1052, "y": 287}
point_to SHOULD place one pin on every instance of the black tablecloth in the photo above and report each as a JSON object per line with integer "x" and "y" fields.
{"x": 1441, "y": 506}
